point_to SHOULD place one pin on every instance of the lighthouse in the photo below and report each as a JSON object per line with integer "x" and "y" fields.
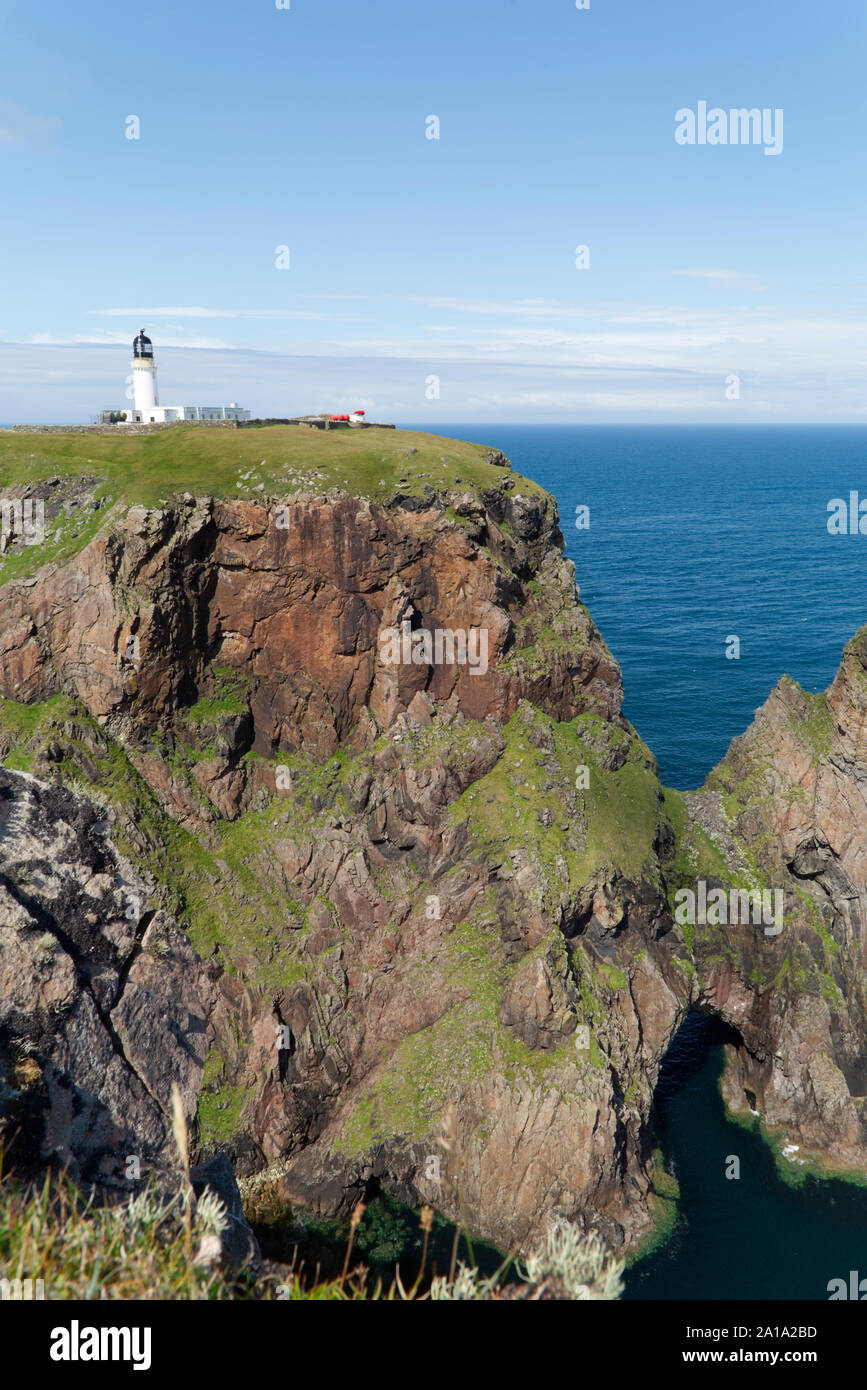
{"x": 146, "y": 409}
{"x": 144, "y": 377}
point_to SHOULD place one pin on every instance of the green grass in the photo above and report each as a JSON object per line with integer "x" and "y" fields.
{"x": 65, "y": 536}
{"x": 409, "y": 1094}
{"x": 143, "y": 469}
{"x": 609, "y": 824}
{"x": 23, "y": 720}
{"x": 227, "y": 697}
{"x": 247, "y": 914}
{"x": 150, "y": 1246}
{"x": 816, "y": 725}
{"x": 276, "y": 461}
{"x": 135, "y": 1250}
{"x": 219, "y": 1114}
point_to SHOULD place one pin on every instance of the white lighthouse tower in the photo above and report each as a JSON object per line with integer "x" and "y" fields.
{"x": 146, "y": 408}
{"x": 144, "y": 377}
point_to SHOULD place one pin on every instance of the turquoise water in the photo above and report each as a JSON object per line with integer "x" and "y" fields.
{"x": 698, "y": 534}
{"x": 750, "y": 1237}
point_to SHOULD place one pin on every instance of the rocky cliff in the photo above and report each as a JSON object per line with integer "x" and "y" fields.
{"x": 103, "y": 1001}
{"x": 403, "y": 926}
{"x": 787, "y": 807}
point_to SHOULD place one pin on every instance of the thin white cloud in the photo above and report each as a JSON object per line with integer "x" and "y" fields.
{"x": 740, "y": 279}
{"x": 657, "y": 362}
{"x": 741, "y": 339}
{"x": 531, "y": 308}
{"x": 656, "y": 401}
{"x": 72, "y": 383}
{"x": 196, "y": 312}
{"x": 674, "y": 317}
{"x": 21, "y": 129}
{"x": 122, "y": 340}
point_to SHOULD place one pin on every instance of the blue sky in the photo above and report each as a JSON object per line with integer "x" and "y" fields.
{"x": 452, "y": 257}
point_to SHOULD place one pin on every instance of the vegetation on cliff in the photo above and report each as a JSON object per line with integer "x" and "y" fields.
{"x": 277, "y": 461}
{"x": 451, "y": 895}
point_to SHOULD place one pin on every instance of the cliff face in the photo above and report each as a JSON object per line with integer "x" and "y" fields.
{"x": 289, "y": 599}
{"x": 103, "y": 1002}
{"x": 430, "y": 906}
{"x": 790, "y": 802}
{"x": 389, "y": 870}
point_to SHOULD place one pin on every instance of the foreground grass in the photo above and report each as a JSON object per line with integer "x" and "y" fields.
{"x": 138, "y": 1250}
{"x": 60, "y": 1244}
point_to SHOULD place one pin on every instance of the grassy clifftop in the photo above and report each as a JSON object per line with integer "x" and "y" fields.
{"x": 273, "y": 460}
{"x": 100, "y": 475}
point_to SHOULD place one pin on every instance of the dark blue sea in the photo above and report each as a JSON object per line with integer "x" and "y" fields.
{"x": 697, "y": 535}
